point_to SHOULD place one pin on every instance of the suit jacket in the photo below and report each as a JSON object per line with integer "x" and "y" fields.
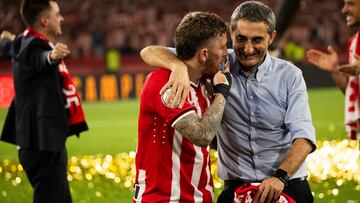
{"x": 40, "y": 121}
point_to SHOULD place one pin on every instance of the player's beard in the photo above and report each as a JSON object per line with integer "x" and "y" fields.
{"x": 211, "y": 68}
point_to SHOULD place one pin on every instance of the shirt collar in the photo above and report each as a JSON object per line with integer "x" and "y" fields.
{"x": 31, "y": 32}
{"x": 263, "y": 68}
{"x": 195, "y": 84}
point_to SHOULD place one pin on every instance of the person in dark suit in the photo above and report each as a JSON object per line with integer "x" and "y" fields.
{"x": 37, "y": 120}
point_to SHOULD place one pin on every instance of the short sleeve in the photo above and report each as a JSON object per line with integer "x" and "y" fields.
{"x": 152, "y": 86}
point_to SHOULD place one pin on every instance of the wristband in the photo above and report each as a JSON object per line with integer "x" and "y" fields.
{"x": 282, "y": 175}
{"x": 222, "y": 89}
{"x": 228, "y": 77}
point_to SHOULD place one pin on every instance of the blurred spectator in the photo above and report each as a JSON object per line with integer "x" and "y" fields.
{"x": 91, "y": 27}
{"x": 113, "y": 61}
{"x": 294, "y": 52}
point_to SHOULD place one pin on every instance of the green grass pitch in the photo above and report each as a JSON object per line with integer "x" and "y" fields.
{"x": 113, "y": 129}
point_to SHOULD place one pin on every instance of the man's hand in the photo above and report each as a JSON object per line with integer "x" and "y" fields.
{"x": 325, "y": 61}
{"x": 180, "y": 86}
{"x": 269, "y": 190}
{"x": 351, "y": 69}
{"x": 59, "y": 52}
{"x": 7, "y": 35}
{"x": 222, "y": 82}
{"x": 220, "y": 77}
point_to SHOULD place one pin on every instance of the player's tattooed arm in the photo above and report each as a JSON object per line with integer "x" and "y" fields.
{"x": 200, "y": 131}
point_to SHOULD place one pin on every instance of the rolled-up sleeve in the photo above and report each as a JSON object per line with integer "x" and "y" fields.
{"x": 298, "y": 116}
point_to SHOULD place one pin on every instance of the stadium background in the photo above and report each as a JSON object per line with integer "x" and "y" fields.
{"x": 105, "y": 38}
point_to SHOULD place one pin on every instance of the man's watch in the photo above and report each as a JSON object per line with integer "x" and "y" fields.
{"x": 282, "y": 175}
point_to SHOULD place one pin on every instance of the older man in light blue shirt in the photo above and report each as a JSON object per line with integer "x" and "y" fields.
{"x": 266, "y": 133}
{"x": 265, "y": 112}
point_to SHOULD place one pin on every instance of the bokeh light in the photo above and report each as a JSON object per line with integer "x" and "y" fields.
{"x": 336, "y": 161}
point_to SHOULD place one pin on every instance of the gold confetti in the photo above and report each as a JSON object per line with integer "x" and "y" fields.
{"x": 334, "y": 161}
{"x": 332, "y": 128}
{"x": 98, "y": 194}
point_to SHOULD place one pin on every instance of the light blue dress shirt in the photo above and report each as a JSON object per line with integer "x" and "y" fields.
{"x": 265, "y": 112}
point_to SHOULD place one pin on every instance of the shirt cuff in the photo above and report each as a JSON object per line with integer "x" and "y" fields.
{"x": 306, "y": 133}
{"x": 50, "y": 61}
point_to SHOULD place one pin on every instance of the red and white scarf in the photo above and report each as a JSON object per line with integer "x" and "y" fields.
{"x": 76, "y": 118}
{"x": 352, "y": 94}
{"x": 246, "y": 193}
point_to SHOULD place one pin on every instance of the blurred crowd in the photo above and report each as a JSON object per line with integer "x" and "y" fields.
{"x": 91, "y": 27}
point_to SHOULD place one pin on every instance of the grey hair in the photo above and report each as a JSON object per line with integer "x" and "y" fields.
{"x": 254, "y": 11}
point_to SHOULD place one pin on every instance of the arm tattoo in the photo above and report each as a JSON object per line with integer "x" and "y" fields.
{"x": 200, "y": 131}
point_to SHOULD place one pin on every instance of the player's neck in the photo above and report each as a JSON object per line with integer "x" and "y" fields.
{"x": 194, "y": 70}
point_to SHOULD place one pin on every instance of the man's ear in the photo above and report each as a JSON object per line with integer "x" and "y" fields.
{"x": 203, "y": 54}
{"x": 272, "y": 36}
{"x": 43, "y": 21}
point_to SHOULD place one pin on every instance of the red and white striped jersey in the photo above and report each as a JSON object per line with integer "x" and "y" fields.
{"x": 352, "y": 93}
{"x": 169, "y": 168}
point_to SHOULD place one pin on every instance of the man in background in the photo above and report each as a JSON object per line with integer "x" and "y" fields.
{"x": 46, "y": 108}
{"x": 345, "y": 76}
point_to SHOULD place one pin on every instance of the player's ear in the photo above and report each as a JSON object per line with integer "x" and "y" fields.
{"x": 203, "y": 54}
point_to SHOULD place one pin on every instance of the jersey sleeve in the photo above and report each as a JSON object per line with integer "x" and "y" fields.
{"x": 152, "y": 86}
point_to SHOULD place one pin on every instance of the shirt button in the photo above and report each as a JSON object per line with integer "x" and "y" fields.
{"x": 252, "y": 113}
{"x": 251, "y": 97}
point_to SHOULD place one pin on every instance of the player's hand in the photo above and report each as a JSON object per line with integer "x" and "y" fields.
{"x": 351, "y": 69}
{"x": 220, "y": 77}
{"x": 325, "y": 61}
{"x": 59, "y": 52}
{"x": 180, "y": 86}
{"x": 269, "y": 190}
{"x": 7, "y": 35}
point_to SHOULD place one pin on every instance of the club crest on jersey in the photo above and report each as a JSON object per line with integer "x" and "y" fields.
{"x": 163, "y": 98}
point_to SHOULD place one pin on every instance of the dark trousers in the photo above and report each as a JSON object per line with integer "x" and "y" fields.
{"x": 46, "y": 172}
{"x": 298, "y": 189}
